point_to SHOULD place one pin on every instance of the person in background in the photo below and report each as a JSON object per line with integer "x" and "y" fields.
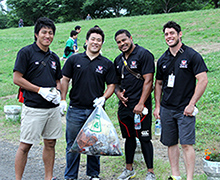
{"x": 37, "y": 70}
{"x": 89, "y": 72}
{"x": 78, "y": 30}
{"x": 176, "y": 95}
{"x": 88, "y": 17}
{"x": 20, "y": 23}
{"x": 134, "y": 92}
{"x": 70, "y": 45}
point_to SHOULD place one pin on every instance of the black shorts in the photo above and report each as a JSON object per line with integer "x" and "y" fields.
{"x": 126, "y": 121}
{"x": 176, "y": 127}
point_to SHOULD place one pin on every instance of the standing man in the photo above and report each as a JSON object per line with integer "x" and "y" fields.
{"x": 89, "y": 72}
{"x": 78, "y": 30}
{"x": 134, "y": 93}
{"x": 177, "y": 71}
{"x": 37, "y": 70}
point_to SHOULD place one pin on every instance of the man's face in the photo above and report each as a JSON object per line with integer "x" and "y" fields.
{"x": 172, "y": 38}
{"x": 94, "y": 43}
{"x": 78, "y": 30}
{"x": 124, "y": 43}
{"x": 44, "y": 37}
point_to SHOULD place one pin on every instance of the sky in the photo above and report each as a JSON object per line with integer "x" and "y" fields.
{"x": 3, "y": 3}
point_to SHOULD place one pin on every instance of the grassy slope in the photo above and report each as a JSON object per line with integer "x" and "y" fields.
{"x": 200, "y": 30}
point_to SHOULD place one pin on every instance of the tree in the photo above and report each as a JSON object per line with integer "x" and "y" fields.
{"x": 104, "y": 8}
{"x": 215, "y": 2}
{"x": 31, "y": 10}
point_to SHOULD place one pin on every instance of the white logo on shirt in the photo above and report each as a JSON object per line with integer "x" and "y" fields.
{"x": 99, "y": 69}
{"x": 145, "y": 133}
{"x": 183, "y": 64}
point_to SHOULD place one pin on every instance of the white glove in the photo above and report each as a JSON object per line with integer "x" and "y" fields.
{"x": 47, "y": 93}
{"x": 57, "y": 99}
{"x": 99, "y": 101}
{"x": 63, "y": 107}
{"x": 195, "y": 111}
{"x": 145, "y": 111}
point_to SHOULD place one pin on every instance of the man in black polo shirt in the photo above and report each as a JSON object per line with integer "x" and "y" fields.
{"x": 89, "y": 72}
{"x": 177, "y": 71}
{"x": 134, "y": 94}
{"x": 37, "y": 70}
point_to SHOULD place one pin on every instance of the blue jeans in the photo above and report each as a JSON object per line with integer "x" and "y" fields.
{"x": 75, "y": 119}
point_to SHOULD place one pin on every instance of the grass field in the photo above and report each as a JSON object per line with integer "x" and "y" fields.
{"x": 201, "y": 31}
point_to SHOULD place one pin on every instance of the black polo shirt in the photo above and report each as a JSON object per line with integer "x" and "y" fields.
{"x": 140, "y": 61}
{"x": 28, "y": 60}
{"x": 88, "y": 78}
{"x": 188, "y": 64}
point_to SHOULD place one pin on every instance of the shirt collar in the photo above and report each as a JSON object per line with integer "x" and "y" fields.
{"x": 36, "y": 48}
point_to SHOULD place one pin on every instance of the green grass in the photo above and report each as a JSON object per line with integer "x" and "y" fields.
{"x": 200, "y": 29}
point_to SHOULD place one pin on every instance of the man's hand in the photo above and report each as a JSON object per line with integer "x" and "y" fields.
{"x": 157, "y": 113}
{"x": 47, "y": 93}
{"x": 99, "y": 101}
{"x": 63, "y": 107}
{"x": 138, "y": 109}
{"x": 190, "y": 110}
{"x": 123, "y": 99}
{"x": 57, "y": 99}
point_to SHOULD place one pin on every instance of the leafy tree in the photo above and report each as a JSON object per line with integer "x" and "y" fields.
{"x": 72, "y": 10}
{"x": 104, "y": 8}
{"x": 31, "y": 10}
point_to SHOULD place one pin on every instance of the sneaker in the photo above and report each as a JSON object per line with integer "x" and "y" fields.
{"x": 95, "y": 178}
{"x": 54, "y": 178}
{"x": 172, "y": 178}
{"x": 127, "y": 174}
{"x": 150, "y": 176}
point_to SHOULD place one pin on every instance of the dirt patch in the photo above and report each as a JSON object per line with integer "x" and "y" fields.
{"x": 206, "y": 48}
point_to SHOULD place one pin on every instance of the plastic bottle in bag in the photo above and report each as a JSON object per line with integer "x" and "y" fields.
{"x": 158, "y": 127}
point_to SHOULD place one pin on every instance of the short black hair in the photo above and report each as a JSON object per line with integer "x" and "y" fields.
{"x": 73, "y": 33}
{"x": 96, "y": 26}
{"x": 77, "y": 27}
{"x": 172, "y": 24}
{"x": 121, "y": 31}
{"x": 43, "y": 22}
{"x": 97, "y": 31}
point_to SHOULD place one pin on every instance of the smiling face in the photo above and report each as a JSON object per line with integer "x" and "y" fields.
{"x": 172, "y": 37}
{"x": 44, "y": 38}
{"x": 124, "y": 43}
{"x": 94, "y": 43}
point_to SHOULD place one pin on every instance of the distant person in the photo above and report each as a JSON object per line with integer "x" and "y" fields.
{"x": 90, "y": 72}
{"x": 88, "y": 17}
{"x": 37, "y": 70}
{"x": 134, "y": 92}
{"x": 71, "y": 46}
{"x": 20, "y": 23}
{"x": 181, "y": 80}
{"x": 78, "y": 30}
{"x": 96, "y": 26}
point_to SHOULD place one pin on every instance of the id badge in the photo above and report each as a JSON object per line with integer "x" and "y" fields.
{"x": 171, "y": 79}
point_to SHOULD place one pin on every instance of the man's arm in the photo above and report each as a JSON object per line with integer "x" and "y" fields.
{"x": 109, "y": 91}
{"x": 199, "y": 90}
{"x": 20, "y": 81}
{"x": 64, "y": 87}
{"x": 146, "y": 91}
{"x": 157, "y": 97}
{"x": 58, "y": 84}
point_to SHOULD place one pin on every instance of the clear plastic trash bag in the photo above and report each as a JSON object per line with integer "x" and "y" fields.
{"x": 97, "y": 136}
